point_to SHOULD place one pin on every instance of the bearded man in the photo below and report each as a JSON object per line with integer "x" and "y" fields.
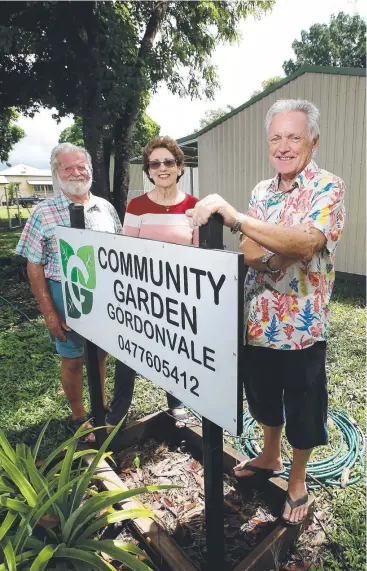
{"x": 72, "y": 179}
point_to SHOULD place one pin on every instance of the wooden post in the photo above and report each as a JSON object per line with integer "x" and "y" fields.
{"x": 91, "y": 350}
{"x": 211, "y": 237}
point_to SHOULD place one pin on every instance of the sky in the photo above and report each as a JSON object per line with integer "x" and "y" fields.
{"x": 264, "y": 46}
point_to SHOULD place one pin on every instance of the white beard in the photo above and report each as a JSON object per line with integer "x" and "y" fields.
{"x": 74, "y": 188}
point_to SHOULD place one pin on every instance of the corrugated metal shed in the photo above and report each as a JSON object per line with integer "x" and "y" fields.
{"x": 233, "y": 155}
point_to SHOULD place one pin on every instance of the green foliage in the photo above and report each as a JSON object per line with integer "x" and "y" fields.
{"x": 213, "y": 115}
{"x": 73, "y": 134}
{"x": 31, "y": 394}
{"x": 56, "y": 496}
{"x": 10, "y": 132}
{"x": 267, "y": 83}
{"x": 145, "y": 130}
{"x": 102, "y": 60}
{"x": 342, "y": 43}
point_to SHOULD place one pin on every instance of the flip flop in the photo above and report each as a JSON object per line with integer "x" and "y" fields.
{"x": 75, "y": 423}
{"x": 257, "y": 471}
{"x": 294, "y": 504}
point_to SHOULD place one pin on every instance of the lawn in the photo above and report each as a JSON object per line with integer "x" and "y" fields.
{"x": 31, "y": 395}
{"x": 9, "y": 238}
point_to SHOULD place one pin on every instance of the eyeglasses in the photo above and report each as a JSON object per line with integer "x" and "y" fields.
{"x": 168, "y": 163}
{"x": 69, "y": 168}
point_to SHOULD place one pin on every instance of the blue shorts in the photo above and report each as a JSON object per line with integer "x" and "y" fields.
{"x": 74, "y": 345}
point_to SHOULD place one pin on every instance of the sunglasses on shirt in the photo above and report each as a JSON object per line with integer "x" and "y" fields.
{"x": 168, "y": 163}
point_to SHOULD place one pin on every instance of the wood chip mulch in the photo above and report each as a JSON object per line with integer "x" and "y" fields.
{"x": 181, "y": 510}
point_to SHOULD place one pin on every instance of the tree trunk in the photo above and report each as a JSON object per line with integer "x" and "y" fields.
{"x": 123, "y": 135}
{"x": 92, "y": 101}
{"x": 107, "y": 150}
{"x": 125, "y": 124}
{"x": 92, "y": 131}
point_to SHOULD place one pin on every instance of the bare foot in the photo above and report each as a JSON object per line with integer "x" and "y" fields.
{"x": 261, "y": 461}
{"x": 296, "y": 490}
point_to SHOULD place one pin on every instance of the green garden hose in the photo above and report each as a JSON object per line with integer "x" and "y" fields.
{"x": 349, "y": 452}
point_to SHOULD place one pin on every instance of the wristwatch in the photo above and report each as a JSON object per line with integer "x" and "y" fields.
{"x": 237, "y": 225}
{"x": 265, "y": 260}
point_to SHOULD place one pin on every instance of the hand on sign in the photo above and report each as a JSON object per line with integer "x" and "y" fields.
{"x": 210, "y": 205}
{"x": 56, "y": 325}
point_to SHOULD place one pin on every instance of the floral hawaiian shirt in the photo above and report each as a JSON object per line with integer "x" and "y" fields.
{"x": 290, "y": 310}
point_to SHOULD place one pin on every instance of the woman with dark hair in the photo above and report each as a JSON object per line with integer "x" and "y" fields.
{"x": 163, "y": 163}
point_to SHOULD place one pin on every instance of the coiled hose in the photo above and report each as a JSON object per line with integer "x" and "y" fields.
{"x": 349, "y": 452}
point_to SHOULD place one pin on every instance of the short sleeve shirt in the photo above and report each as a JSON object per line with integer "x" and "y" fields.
{"x": 38, "y": 241}
{"x": 147, "y": 219}
{"x": 290, "y": 310}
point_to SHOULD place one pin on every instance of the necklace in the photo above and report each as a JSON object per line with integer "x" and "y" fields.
{"x": 166, "y": 206}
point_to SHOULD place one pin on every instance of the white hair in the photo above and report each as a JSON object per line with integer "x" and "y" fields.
{"x": 282, "y": 105}
{"x": 66, "y": 148}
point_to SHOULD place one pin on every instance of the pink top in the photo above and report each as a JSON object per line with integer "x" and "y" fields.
{"x": 146, "y": 219}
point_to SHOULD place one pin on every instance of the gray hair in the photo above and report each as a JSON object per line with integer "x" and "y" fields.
{"x": 68, "y": 148}
{"x": 282, "y": 105}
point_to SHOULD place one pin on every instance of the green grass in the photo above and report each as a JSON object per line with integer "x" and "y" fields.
{"x": 9, "y": 237}
{"x": 8, "y": 241}
{"x": 30, "y": 395}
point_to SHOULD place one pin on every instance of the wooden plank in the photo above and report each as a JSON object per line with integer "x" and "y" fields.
{"x": 272, "y": 550}
{"x": 147, "y": 528}
{"x": 265, "y": 556}
{"x": 138, "y": 431}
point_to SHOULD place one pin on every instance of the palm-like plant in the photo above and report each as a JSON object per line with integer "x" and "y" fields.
{"x": 59, "y": 498}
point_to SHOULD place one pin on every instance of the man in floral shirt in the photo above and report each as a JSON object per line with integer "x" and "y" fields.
{"x": 289, "y": 237}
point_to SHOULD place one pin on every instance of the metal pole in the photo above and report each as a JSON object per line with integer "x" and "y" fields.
{"x": 211, "y": 237}
{"x": 91, "y": 350}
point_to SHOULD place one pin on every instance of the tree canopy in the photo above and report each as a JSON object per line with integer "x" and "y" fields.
{"x": 267, "y": 83}
{"x": 101, "y": 61}
{"x": 145, "y": 130}
{"x": 341, "y": 43}
{"x": 10, "y": 132}
{"x": 213, "y": 115}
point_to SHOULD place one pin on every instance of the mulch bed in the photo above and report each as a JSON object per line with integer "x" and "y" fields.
{"x": 248, "y": 519}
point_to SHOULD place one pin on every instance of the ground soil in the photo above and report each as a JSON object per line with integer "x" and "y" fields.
{"x": 248, "y": 519}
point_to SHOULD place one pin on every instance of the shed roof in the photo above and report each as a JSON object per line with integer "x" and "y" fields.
{"x": 192, "y": 139}
{"x": 3, "y": 179}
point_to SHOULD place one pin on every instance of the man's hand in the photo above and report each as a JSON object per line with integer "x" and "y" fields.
{"x": 56, "y": 325}
{"x": 211, "y": 204}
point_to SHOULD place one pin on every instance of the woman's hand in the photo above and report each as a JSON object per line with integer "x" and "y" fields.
{"x": 211, "y": 204}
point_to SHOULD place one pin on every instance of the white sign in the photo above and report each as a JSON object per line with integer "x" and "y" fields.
{"x": 172, "y": 313}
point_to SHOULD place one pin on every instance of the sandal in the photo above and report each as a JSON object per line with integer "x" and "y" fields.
{"x": 257, "y": 471}
{"x": 181, "y": 417}
{"x": 75, "y": 423}
{"x": 295, "y": 504}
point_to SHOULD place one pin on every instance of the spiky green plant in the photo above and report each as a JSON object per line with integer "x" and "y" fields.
{"x": 59, "y": 497}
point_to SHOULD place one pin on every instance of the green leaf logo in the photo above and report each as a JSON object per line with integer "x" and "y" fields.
{"x": 80, "y": 272}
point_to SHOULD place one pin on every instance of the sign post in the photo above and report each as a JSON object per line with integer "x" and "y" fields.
{"x": 91, "y": 350}
{"x": 210, "y": 237}
{"x": 174, "y": 314}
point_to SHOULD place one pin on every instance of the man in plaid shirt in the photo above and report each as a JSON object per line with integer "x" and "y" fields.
{"x": 72, "y": 179}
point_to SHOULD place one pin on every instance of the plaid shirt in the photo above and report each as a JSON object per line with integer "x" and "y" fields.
{"x": 38, "y": 241}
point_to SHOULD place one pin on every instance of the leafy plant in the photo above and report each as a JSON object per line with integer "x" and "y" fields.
{"x": 50, "y": 512}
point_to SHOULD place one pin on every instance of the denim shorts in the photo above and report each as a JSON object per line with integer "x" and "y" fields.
{"x": 74, "y": 345}
{"x": 289, "y": 386}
